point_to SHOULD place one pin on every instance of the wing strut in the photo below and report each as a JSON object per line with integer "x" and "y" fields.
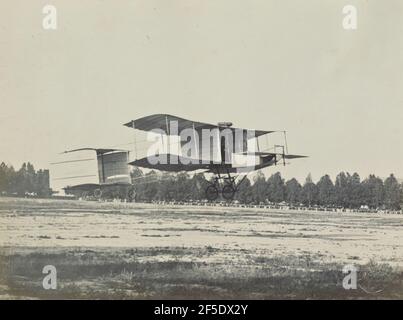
{"x": 135, "y": 142}
{"x": 285, "y": 141}
{"x": 168, "y": 134}
{"x": 196, "y": 141}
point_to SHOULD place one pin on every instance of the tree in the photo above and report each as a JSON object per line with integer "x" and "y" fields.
{"x": 182, "y": 187}
{"x": 373, "y": 192}
{"x": 12, "y": 178}
{"x": 21, "y": 180}
{"x": 326, "y": 192}
{"x": 293, "y": 191}
{"x": 309, "y": 194}
{"x": 342, "y": 190}
{"x": 392, "y": 193}
{"x": 30, "y": 178}
{"x": 401, "y": 195}
{"x": 41, "y": 185}
{"x": 3, "y": 177}
{"x": 276, "y": 188}
{"x": 245, "y": 193}
{"x": 166, "y": 187}
{"x": 148, "y": 187}
{"x": 259, "y": 188}
{"x": 198, "y": 186}
{"x": 26, "y": 180}
{"x": 354, "y": 190}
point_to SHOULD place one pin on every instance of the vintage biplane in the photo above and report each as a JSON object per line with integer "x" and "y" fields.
{"x": 227, "y": 152}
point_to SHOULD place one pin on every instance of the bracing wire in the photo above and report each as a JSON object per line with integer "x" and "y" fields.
{"x": 285, "y": 141}
{"x": 69, "y": 161}
{"x": 74, "y": 177}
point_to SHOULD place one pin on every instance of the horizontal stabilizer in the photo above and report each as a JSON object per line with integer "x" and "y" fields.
{"x": 294, "y": 156}
{"x": 265, "y": 154}
{"x": 256, "y": 154}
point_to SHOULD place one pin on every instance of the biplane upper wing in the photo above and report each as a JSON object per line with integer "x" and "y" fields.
{"x": 162, "y": 121}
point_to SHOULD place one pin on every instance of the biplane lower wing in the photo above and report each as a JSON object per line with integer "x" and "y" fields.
{"x": 175, "y": 163}
{"x": 171, "y": 163}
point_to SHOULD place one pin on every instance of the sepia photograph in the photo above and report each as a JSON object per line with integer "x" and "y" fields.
{"x": 200, "y": 150}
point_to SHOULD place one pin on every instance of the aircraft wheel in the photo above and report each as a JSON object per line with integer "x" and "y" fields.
{"x": 228, "y": 192}
{"x": 211, "y": 193}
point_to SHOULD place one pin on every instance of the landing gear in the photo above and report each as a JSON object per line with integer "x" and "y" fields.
{"x": 212, "y": 193}
{"x": 228, "y": 192}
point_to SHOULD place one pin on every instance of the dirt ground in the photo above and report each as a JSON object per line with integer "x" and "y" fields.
{"x": 131, "y": 251}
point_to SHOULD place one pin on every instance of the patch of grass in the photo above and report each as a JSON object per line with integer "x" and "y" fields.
{"x": 124, "y": 274}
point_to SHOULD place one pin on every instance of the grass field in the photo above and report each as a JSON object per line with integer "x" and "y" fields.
{"x": 132, "y": 251}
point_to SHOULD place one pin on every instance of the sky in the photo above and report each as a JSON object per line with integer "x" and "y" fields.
{"x": 270, "y": 65}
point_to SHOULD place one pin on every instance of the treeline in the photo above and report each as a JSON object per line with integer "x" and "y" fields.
{"x": 347, "y": 191}
{"x": 25, "y": 181}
